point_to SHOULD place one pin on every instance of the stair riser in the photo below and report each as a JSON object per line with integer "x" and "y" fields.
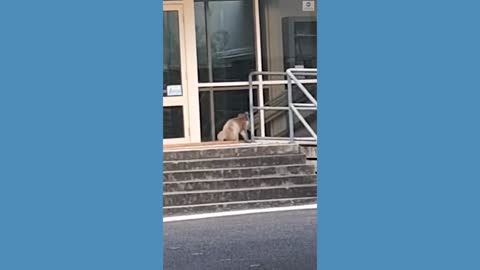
{"x": 230, "y": 152}
{"x": 242, "y": 195}
{"x": 241, "y": 183}
{"x": 188, "y": 210}
{"x": 238, "y": 173}
{"x": 234, "y": 163}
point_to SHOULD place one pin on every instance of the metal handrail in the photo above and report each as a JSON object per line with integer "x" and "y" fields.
{"x": 292, "y": 108}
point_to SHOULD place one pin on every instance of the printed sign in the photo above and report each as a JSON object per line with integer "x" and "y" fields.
{"x": 308, "y": 6}
{"x": 174, "y": 90}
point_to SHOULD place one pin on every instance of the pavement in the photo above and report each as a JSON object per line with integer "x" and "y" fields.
{"x": 279, "y": 240}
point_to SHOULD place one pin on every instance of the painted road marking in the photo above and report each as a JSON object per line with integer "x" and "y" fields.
{"x": 239, "y": 212}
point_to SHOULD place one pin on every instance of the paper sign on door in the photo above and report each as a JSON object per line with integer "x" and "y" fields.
{"x": 174, "y": 90}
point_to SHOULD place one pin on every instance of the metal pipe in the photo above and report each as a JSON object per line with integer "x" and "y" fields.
{"x": 303, "y": 89}
{"x": 290, "y": 114}
{"x": 304, "y": 105}
{"x": 250, "y": 101}
{"x": 292, "y": 108}
{"x": 302, "y": 70}
{"x": 258, "y": 50}
{"x": 261, "y": 103}
{"x": 305, "y": 74}
{"x": 263, "y": 108}
{"x": 307, "y": 126}
{"x": 309, "y": 139}
{"x": 305, "y": 109}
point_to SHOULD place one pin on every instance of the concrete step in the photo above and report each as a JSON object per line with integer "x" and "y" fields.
{"x": 231, "y": 206}
{"x": 210, "y": 178}
{"x": 312, "y": 163}
{"x": 230, "y": 151}
{"x": 234, "y": 162}
{"x": 241, "y": 172}
{"x": 310, "y": 152}
{"x": 241, "y": 194}
{"x": 219, "y": 184}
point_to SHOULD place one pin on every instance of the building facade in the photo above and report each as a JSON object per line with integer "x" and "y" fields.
{"x": 211, "y": 46}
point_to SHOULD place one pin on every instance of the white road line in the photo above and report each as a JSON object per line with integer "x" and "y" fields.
{"x": 239, "y": 212}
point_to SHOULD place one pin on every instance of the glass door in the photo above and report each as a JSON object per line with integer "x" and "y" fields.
{"x": 175, "y": 96}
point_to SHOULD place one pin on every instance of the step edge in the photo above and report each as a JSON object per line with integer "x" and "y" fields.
{"x": 239, "y": 202}
{"x": 231, "y": 158}
{"x": 227, "y": 147}
{"x": 237, "y": 189}
{"x": 238, "y": 168}
{"x": 273, "y": 176}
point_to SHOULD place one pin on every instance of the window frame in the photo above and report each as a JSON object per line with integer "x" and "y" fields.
{"x": 237, "y": 85}
{"x": 258, "y": 58}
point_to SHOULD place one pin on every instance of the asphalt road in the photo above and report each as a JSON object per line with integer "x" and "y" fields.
{"x": 281, "y": 241}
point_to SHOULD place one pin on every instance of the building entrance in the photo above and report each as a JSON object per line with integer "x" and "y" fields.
{"x": 211, "y": 46}
{"x": 180, "y": 92}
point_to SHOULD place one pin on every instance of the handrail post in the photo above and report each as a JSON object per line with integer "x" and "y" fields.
{"x": 290, "y": 113}
{"x": 261, "y": 104}
{"x": 292, "y": 108}
{"x": 251, "y": 115}
{"x": 301, "y": 87}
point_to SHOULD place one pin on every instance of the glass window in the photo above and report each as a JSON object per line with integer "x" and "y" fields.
{"x": 205, "y": 116}
{"x": 277, "y": 121}
{"x": 289, "y": 35}
{"x": 172, "y": 73}
{"x": 225, "y": 40}
{"x": 173, "y": 126}
{"x": 226, "y": 104}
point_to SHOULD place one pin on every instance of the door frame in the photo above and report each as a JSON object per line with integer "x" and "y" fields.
{"x": 190, "y": 98}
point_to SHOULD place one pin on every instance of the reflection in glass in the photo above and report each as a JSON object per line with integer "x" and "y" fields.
{"x": 225, "y": 104}
{"x": 173, "y": 126}
{"x": 278, "y": 126}
{"x": 289, "y": 35}
{"x": 289, "y": 39}
{"x": 205, "y": 116}
{"x": 225, "y": 40}
{"x": 171, "y": 50}
{"x": 228, "y": 104}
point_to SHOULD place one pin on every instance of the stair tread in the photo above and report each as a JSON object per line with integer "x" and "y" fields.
{"x": 232, "y": 158}
{"x": 238, "y": 189}
{"x": 237, "y": 168}
{"x": 204, "y": 147}
{"x": 232, "y": 178}
{"x": 240, "y": 202}
{"x": 261, "y": 177}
